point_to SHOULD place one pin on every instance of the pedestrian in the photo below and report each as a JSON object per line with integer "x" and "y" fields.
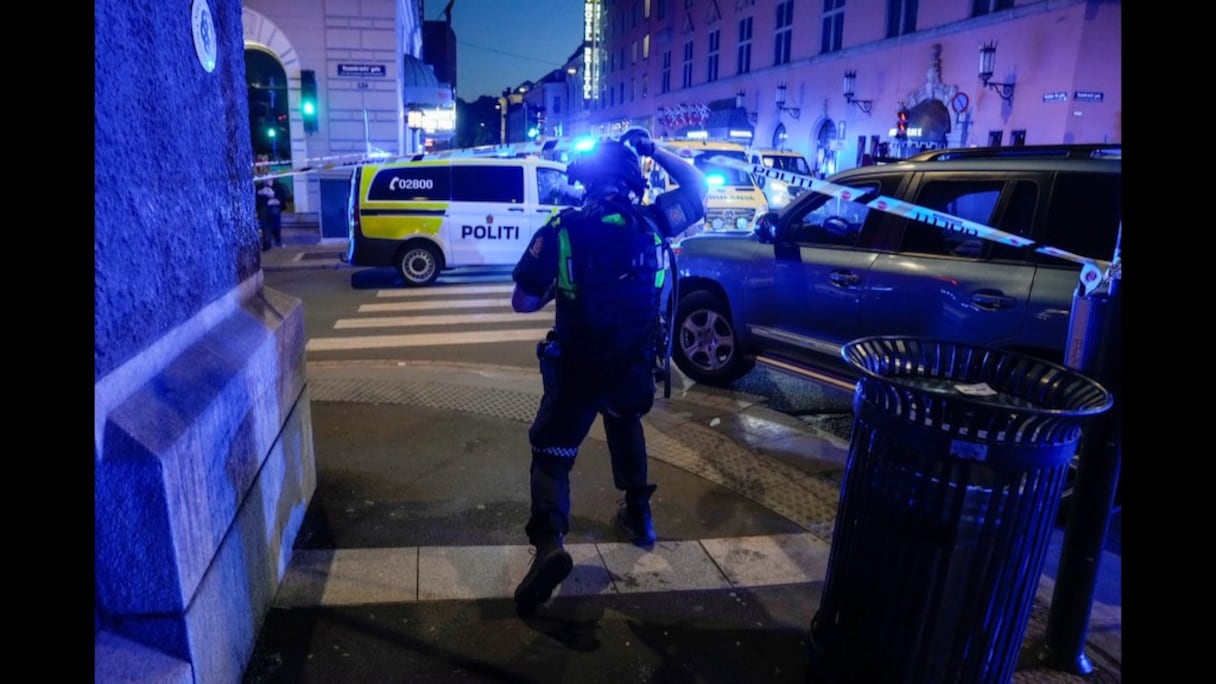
{"x": 603, "y": 263}
{"x": 271, "y": 198}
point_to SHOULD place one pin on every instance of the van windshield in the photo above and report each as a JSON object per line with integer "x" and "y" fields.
{"x": 723, "y": 175}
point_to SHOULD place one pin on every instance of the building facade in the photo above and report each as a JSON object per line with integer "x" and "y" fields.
{"x": 375, "y": 93}
{"x": 829, "y": 79}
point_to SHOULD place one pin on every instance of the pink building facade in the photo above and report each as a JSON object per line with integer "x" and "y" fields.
{"x": 714, "y": 68}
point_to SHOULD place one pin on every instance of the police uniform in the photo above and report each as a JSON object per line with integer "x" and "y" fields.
{"x": 603, "y": 265}
{"x": 606, "y": 260}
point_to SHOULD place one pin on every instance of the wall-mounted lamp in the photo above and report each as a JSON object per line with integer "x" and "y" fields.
{"x": 987, "y": 62}
{"x": 792, "y": 111}
{"x": 850, "y": 79}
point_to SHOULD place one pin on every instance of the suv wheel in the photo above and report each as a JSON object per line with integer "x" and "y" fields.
{"x": 418, "y": 264}
{"x": 705, "y": 346}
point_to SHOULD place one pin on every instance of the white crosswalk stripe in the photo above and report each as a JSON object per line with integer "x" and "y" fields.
{"x": 427, "y": 309}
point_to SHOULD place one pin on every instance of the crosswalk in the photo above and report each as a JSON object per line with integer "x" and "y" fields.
{"x": 436, "y": 316}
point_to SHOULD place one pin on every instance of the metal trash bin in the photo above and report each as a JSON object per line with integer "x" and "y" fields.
{"x": 956, "y": 465}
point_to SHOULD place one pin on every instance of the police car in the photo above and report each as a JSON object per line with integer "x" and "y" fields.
{"x": 424, "y": 216}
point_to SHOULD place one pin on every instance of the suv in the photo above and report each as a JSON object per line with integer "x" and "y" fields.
{"x": 825, "y": 270}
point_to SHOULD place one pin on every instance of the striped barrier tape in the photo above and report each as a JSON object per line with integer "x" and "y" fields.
{"x": 1093, "y": 271}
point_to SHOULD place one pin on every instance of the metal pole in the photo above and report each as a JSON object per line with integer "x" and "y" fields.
{"x": 1095, "y": 349}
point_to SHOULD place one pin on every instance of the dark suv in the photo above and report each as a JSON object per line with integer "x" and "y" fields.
{"x": 826, "y": 270}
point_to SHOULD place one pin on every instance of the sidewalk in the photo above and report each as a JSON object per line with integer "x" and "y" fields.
{"x": 412, "y": 545}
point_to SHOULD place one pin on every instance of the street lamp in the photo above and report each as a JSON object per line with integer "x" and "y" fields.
{"x": 792, "y": 111}
{"x": 850, "y": 79}
{"x": 987, "y": 62}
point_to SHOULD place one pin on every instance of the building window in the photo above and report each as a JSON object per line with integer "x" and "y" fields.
{"x": 686, "y": 81}
{"x": 646, "y": 46}
{"x": 715, "y": 40}
{"x": 637, "y": 13}
{"x": 981, "y": 7}
{"x": 743, "y": 63}
{"x": 785, "y": 31}
{"x": 665, "y": 74}
{"x": 1017, "y": 138}
{"x": 660, "y": 9}
{"x": 645, "y": 85}
{"x": 901, "y": 17}
{"x": 621, "y": 88}
{"x": 833, "y": 26}
{"x": 994, "y": 138}
{"x": 633, "y": 53}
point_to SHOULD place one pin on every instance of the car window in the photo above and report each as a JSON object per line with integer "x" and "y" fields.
{"x": 410, "y": 183}
{"x": 830, "y": 221}
{"x": 792, "y": 164}
{"x": 1084, "y": 215}
{"x": 553, "y": 186}
{"x": 970, "y": 199}
{"x": 488, "y": 184}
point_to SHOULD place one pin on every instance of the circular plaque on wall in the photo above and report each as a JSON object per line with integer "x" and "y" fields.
{"x": 204, "y": 34}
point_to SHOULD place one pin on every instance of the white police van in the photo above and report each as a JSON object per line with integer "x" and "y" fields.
{"x": 426, "y": 215}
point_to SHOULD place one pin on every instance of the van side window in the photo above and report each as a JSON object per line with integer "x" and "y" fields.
{"x": 502, "y": 184}
{"x": 972, "y": 200}
{"x": 410, "y": 183}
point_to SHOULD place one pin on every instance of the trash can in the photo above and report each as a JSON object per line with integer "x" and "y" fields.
{"x": 957, "y": 461}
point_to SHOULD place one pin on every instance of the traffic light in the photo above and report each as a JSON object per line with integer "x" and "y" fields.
{"x": 308, "y": 99}
{"x": 901, "y": 124}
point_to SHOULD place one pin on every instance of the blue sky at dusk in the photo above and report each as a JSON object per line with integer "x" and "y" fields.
{"x": 502, "y": 43}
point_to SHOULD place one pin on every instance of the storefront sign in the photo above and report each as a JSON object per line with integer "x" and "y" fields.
{"x": 1087, "y": 96}
{"x": 1058, "y": 96}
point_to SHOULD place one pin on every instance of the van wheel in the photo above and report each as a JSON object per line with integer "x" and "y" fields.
{"x": 706, "y": 347}
{"x": 419, "y": 264}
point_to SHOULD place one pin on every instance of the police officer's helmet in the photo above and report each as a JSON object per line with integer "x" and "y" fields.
{"x": 608, "y": 166}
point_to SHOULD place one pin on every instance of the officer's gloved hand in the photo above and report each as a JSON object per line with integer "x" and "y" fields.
{"x": 639, "y": 140}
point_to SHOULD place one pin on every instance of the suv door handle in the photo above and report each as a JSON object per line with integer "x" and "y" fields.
{"x": 844, "y": 278}
{"x": 993, "y": 300}
{"x": 519, "y": 209}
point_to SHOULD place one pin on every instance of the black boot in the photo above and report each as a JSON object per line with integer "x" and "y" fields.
{"x": 551, "y": 565}
{"x": 634, "y": 517}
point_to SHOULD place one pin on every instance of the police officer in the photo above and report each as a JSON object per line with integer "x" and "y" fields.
{"x": 603, "y": 263}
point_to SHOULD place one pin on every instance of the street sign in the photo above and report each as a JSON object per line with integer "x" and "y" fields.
{"x": 361, "y": 70}
{"x": 1087, "y": 96}
{"x": 1058, "y": 96}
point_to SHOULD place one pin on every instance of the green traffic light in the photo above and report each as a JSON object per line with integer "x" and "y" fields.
{"x": 309, "y": 108}
{"x": 270, "y": 133}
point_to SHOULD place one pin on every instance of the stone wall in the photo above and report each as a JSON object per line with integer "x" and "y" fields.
{"x": 203, "y": 452}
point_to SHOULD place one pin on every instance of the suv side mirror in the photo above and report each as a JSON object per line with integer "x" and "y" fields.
{"x": 766, "y": 226}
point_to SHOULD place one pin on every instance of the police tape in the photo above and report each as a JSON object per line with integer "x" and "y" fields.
{"x": 1093, "y": 271}
{"x": 325, "y": 164}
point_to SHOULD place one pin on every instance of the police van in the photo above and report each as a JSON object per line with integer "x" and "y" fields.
{"x": 734, "y": 201}
{"x": 423, "y": 216}
{"x": 779, "y": 193}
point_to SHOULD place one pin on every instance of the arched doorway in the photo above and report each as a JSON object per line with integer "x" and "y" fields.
{"x": 825, "y": 149}
{"x": 269, "y": 121}
{"x": 779, "y": 137}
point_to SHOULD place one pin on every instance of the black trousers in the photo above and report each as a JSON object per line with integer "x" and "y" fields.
{"x": 574, "y": 396}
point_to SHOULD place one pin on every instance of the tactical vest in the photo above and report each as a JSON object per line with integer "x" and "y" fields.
{"x": 610, "y": 280}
